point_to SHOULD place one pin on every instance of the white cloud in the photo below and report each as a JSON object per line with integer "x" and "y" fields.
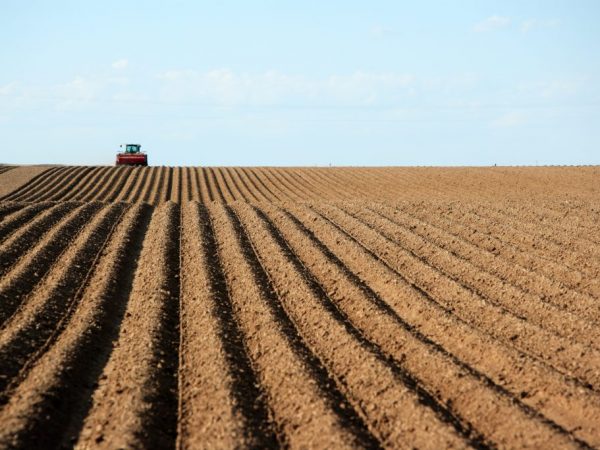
{"x": 79, "y": 92}
{"x": 366, "y": 87}
{"x": 174, "y": 75}
{"x": 450, "y": 83}
{"x": 382, "y": 31}
{"x": 492, "y": 23}
{"x": 127, "y": 96}
{"x": 227, "y": 88}
{"x": 67, "y": 95}
{"x": 510, "y": 119}
{"x": 120, "y": 64}
{"x": 496, "y": 22}
{"x": 538, "y": 24}
{"x": 76, "y": 92}
{"x": 9, "y": 88}
{"x": 121, "y": 81}
{"x": 80, "y": 88}
{"x": 554, "y": 89}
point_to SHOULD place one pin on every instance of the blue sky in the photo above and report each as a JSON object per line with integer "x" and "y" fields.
{"x": 301, "y": 83}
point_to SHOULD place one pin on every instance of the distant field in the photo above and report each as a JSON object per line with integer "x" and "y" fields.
{"x": 227, "y": 184}
{"x": 302, "y": 307}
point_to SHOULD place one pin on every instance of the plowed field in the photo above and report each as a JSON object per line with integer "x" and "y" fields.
{"x": 306, "y": 308}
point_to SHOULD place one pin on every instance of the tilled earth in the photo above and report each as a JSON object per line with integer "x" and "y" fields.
{"x": 306, "y": 308}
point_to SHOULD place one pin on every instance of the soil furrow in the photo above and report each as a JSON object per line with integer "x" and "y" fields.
{"x": 6, "y": 168}
{"x": 520, "y": 268}
{"x": 148, "y": 186}
{"x": 92, "y": 177}
{"x": 232, "y": 178}
{"x": 207, "y": 184}
{"x": 118, "y": 187}
{"x": 22, "y": 274}
{"x": 134, "y": 193}
{"x": 32, "y": 184}
{"x": 224, "y": 186}
{"x": 276, "y": 175}
{"x": 142, "y": 369}
{"x": 176, "y": 185}
{"x": 67, "y": 183}
{"x": 295, "y": 191}
{"x": 23, "y": 215}
{"x": 89, "y": 178}
{"x": 48, "y": 408}
{"x": 17, "y": 245}
{"x": 477, "y": 280}
{"x": 211, "y": 411}
{"x": 324, "y": 182}
{"x": 170, "y": 188}
{"x": 472, "y": 394}
{"x": 572, "y": 218}
{"x": 40, "y": 314}
{"x": 249, "y": 403}
{"x": 520, "y": 281}
{"x": 328, "y": 180}
{"x": 153, "y": 186}
{"x": 320, "y": 184}
{"x": 539, "y": 246}
{"x": 119, "y": 195}
{"x": 306, "y": 402}
{"x": 188, "y": 191}
{"x": 80, "y": 185}
{"x": 302, "y": 189}
{"x": 7, "y": 208}
{"x": 256, "y": 181}
{"x": 392, "y": 403}
{"x": 92, "y": 190}
{"x": 205, "y": 187}
{"x": 529, "y": 228}
{"x": 264, "y": 175}
{"x": 114, "y": 186}
{"x": 247, "y": 186}
{"x": 314, "y": 307}
{"x": 194, "y": 193}
{"x": 524, "y": 222}
{"x": 157, "y": 191}
{"x": 562, "y": 400}
{"x": 569, "y": 358}
{"x": 53, "y": 184}
{"x": 566, "y": 222}
{"x": 215, "y": 186}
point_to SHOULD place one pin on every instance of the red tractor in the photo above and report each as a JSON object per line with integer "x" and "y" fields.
{"x": 132, "y": 156}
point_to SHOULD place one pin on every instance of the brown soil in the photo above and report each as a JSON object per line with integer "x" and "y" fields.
{"x": 12, "y": 177}
{"x": 305, "y": 308}
{"x": 564, "y": 186}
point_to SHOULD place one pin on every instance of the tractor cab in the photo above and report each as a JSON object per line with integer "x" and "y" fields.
{"x": 132, "y": 156}
{"x": 132, "y": 148}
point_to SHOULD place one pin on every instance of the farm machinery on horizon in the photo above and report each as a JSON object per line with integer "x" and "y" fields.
{"x": 132, "y": 156}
